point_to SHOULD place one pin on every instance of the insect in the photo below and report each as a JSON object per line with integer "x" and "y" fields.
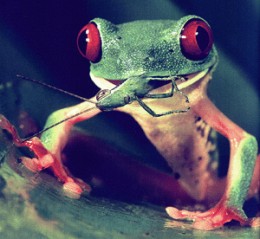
{"x": 139, "y": 66}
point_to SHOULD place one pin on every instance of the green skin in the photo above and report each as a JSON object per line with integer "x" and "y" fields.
{"x": 143, "y": 59}
{"x": 183, "y": 139}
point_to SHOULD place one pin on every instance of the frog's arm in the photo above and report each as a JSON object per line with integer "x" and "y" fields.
{"x": 243, "y": 152}
{"x": 55, "y": 138}
{"x": 48, "y": 150}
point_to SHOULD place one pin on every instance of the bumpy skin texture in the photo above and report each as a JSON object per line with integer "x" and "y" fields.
{"x": 150, "y": 48}
{"x": 184, "y": 140}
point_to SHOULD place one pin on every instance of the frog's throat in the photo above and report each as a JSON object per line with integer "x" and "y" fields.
{"x": 103, "y": 83}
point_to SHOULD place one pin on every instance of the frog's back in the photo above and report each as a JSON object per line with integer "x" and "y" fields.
{"x": 146, "y": 27}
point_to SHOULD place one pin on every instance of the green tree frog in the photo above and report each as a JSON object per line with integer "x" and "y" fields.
{"x": 157, "y": 72}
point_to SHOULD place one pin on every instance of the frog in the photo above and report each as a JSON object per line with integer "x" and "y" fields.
{"x": 158, "y": 71}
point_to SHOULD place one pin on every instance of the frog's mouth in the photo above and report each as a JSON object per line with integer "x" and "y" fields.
{"x": 103, "y": 83}
{"x": 182, "y": 81}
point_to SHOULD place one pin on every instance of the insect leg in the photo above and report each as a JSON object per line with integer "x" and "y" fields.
{"x": 169, "y": 94}
{"x": 154, "y": 114}
{"x": 164, "y": 95}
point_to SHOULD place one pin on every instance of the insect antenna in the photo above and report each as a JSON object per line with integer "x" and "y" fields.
{"x": 62, "y": 91}
{"x": 57, "y": 123}
{"x": 54, "y": 88}
{"x": 7, "y": 150}
{"x": 21, "y": 141}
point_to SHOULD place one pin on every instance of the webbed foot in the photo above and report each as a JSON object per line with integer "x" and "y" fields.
{"x": 211, "y": 219}
{"x": 44, "y": 159}
{"x": 72, "y": 187}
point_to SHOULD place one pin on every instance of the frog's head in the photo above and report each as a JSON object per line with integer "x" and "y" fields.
{"x": 157, "y": 48}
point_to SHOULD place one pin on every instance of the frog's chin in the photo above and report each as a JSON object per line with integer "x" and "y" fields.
{"x": 103, "y": 83}
{"x": 188, "y": 80}
{"x": 184, "y": 81}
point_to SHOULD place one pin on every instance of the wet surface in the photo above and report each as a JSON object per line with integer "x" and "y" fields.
{"x": 47, "y": 213}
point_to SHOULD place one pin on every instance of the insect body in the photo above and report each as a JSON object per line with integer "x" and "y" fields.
{"x": 127, "y": 93}
{"x": 143, "y": 63}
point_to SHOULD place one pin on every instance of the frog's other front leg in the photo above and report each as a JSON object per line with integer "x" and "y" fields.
{"x": 48, "y": 149}
{"x": 243, "y": 154}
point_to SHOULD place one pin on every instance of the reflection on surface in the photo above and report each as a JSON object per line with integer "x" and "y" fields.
{"x": 34, "y": 205}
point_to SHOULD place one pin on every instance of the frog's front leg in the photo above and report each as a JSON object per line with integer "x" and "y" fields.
{"x": 48, "y": 149}
{"x": 55, "y": 139}
{"x": 243, "y": 152}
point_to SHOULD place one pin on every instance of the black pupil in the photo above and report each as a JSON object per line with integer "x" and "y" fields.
{"x": 82, "y": 43}
{"x": 202, "y": 38}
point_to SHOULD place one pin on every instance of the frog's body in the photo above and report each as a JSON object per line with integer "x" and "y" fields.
{"x": 185, "y": 141}
{"x": 159, "y": 68}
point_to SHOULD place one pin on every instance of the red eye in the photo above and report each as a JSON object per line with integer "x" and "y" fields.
{"x": 196, "y": 39}
{"x": 89, "y": 42}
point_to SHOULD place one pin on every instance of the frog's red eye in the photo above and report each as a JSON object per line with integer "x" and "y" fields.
{"x": 196, "y": 39}
{"x": 89, "y": 42}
